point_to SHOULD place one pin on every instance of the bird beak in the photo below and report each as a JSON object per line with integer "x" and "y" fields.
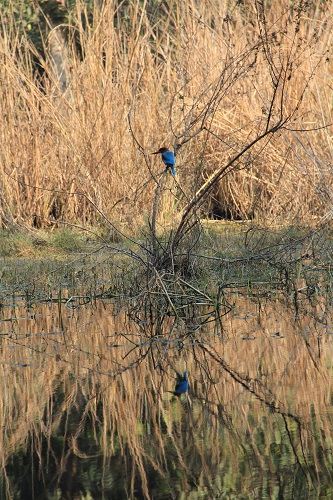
{"x": 155, "y": 153}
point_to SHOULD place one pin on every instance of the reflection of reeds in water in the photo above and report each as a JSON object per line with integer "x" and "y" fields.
{"x": 257, "y": 412}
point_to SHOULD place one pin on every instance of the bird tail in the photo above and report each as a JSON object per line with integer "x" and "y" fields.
{"x": 173, "y": 170}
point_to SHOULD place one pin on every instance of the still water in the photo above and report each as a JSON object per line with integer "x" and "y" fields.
{"x": 88, "y": 411}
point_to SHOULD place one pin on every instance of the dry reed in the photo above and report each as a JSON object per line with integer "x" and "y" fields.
{"x": 164, "y": 67}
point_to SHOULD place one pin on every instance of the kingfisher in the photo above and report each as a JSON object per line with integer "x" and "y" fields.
{"x": 181, "y": 386}
{"x": 168, "y": 158}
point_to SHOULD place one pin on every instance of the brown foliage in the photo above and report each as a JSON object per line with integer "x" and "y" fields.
{"x": 196, "y": 75}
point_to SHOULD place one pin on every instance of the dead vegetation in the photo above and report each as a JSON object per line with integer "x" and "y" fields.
{"x": 206, "y": 79}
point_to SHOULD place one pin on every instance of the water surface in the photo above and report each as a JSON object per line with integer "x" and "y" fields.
{"x": 87, "y": 407}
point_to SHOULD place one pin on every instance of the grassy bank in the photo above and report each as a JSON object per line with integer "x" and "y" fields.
{"x": 294, "y": 260}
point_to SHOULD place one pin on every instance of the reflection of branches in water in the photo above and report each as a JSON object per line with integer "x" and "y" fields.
{"x": 276, "y": 408}
{"x": 123, "y": 365}
{"x": 174, "y": 302}
{"x": 163, "y": 355}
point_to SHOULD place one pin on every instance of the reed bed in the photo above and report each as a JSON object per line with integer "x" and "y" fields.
{"x": 195, "y": 76}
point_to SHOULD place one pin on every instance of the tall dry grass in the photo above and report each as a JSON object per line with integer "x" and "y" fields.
{"x": 168, "y": 67}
